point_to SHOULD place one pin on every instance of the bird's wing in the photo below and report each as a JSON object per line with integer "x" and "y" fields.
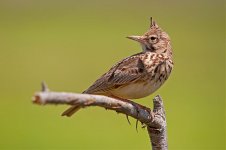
{"x": 126, "y": 71}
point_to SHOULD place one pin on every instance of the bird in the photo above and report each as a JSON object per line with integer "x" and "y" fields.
{"x": 139, "y": 75}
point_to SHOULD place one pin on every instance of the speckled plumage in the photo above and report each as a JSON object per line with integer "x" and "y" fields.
{"x": 139, "y": 75}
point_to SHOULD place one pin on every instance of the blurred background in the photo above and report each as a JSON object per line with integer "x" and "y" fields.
{"x": 69, "y": 44}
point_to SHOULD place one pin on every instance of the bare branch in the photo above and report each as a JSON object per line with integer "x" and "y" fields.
{"x": 158, "y": 135}
{"x": 154, "y": 120}
{"x": 44, "y": 87}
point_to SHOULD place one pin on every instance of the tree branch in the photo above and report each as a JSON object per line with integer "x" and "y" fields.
{"x": 154, "y": 120}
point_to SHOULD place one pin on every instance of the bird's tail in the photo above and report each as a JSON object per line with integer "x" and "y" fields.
{"x": 71, "y": 110}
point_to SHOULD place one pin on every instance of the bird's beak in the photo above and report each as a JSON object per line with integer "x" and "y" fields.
{"x": 139, "y": 39}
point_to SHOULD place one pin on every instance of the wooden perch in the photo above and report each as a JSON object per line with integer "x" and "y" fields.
{"x": 154, "y": 120}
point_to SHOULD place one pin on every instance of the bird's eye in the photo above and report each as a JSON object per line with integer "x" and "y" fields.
{"x": 153, "y": 38}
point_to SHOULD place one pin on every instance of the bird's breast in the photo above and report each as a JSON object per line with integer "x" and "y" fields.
{"x": 134, "y": 90}
{"x": 156, "y": 76}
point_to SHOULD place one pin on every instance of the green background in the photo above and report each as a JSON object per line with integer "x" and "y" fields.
{"x": 69, "y": 44}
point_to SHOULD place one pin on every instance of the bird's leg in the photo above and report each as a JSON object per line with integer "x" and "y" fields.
{"x": 136, "y": 125}
{"x": 127, "y": 117}
{"x": 125, "y": 100}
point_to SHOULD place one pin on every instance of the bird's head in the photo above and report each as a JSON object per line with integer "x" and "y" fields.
{"x": 154, "y": 40}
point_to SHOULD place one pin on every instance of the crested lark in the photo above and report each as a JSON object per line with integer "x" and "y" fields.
{"x": 139, "y": 75}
